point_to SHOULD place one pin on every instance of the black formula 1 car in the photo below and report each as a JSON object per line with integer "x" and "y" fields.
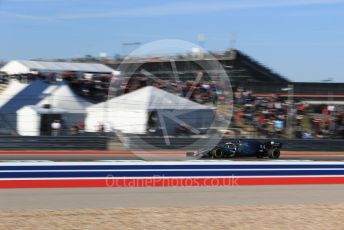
{"x": 243, "y": 148}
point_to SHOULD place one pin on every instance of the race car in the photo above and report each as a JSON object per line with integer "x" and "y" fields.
{"x": 243, "y": 148}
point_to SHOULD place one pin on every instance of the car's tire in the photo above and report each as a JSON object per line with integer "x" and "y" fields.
{"x": 274, "y": 154}
{"x": 217, "y": 153}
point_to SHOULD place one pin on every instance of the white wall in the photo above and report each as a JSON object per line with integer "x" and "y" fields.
{"x": 28, "y": 122}
{"x": 127, "y": 121}
{"x": 94, "y": 117}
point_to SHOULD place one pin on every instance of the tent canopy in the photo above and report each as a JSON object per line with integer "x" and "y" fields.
{"x": 13, "y": 88}
{"x": 61, "y": 96}
{"x": 23, "y": 67}
{"x": 18, "y": 95}
{"x": 39, "y": 93}
{"x": 148, "y": 98}
{"x": 130, "y": 112}
{"x": 21, "y": 95}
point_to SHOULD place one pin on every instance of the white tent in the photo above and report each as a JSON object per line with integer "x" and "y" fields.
{"x": 24, "y": 67}
{"x": 130, "y": 113}
{"x": 7, "y": 116}
{"x": 12, "y": 89}
{"x": 29, "y": 119}
{"x": 41, "y": 94}
{"x": 61, "y": 96}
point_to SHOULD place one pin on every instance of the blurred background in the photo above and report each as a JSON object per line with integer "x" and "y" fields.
{"x": 63, "y": 62}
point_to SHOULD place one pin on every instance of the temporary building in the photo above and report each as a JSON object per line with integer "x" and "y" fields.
{"x": 42, "y": 94}
{"x": 25, "y": 67}
{"x": 12, "y": 89}
{"x": 33, "y": 120}
{"x": 62, "y": 97}
{"x": 149, "y": 108}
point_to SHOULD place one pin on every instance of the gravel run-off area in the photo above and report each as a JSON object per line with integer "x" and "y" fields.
{"x": 324, "y": 216}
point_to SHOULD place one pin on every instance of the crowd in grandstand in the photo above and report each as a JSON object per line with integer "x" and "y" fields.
{"x": 253, "y": 116}
{"x": 277, "y": 117}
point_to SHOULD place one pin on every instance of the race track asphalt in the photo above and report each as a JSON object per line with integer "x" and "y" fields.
{"x": 18, "y": 199}
{"x": 113, "y": 155}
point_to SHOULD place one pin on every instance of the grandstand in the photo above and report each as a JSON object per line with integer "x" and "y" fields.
{"x": 244, "y": 72}
{"x": 263, "y": 99}
{"x": 239, "y": 67}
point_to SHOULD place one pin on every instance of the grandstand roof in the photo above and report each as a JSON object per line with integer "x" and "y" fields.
{"x": 254, "y": 68}
{"x": 22, "y": 67}
{"x": 239, "y": 67}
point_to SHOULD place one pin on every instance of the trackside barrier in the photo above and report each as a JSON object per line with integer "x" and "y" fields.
{"x": 146, "y": 143}
{"x": 288, "y": 144}
{"x": 53, "y": 143}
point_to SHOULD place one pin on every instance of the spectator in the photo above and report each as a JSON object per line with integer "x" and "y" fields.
{"x": 56, "y": 128}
